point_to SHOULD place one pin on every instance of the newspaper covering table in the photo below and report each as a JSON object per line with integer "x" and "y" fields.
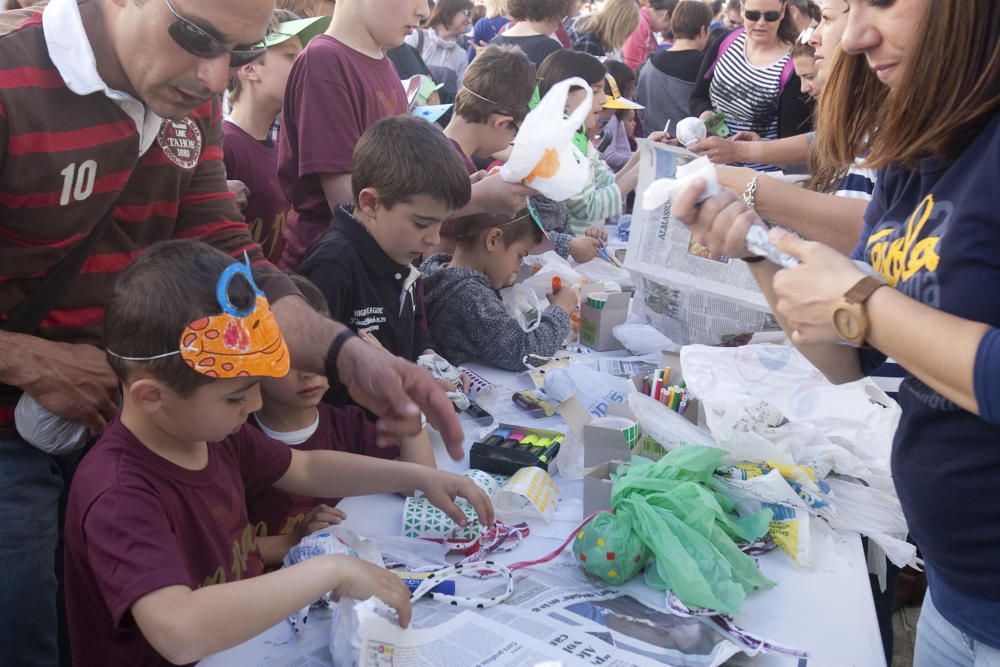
{"x": 558, "y": 612}
{"x": 681, "y": 289}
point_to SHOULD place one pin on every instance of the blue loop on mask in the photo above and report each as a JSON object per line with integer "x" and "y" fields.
{"x": 222, "y": 289}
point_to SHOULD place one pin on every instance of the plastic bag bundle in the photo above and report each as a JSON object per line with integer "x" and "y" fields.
{"x": 667, "y": 512}
{"x": 523, "y": 305}
{"x": 769, "y": 403}
{"x": 544, "y": 156}
{"x": 550, "y": 265}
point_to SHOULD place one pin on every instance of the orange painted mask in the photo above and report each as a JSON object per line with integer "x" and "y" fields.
{"x": 236, "y": 343}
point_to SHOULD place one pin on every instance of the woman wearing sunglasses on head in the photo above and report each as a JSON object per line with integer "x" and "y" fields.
{"x": 932, "y": 128}
{"x": 748, "y": 76}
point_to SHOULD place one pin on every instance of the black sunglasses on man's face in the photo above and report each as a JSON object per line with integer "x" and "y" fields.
{"x": 197, "y": 42}
{"x": 753, "y": 16}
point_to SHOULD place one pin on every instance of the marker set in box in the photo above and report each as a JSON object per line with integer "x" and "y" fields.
{"x": 510, "y": 448}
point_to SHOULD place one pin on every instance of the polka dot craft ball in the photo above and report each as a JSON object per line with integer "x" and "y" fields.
{"x": 608, "y": 549}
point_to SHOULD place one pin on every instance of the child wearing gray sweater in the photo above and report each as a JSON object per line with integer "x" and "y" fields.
{"x": 465, "y": 315}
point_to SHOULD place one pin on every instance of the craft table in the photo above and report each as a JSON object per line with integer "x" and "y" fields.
{"x": 828, "y": 610}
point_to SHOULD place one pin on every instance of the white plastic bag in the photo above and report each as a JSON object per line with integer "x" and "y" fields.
{"x": 769, "y": 403}
{"x": 552, "y": 265}
{"x": 600, "y": 270}
{"x": 877, "y": 515}
{"x": 45, "y": 431}
{"x": 594, "y": 390}
{"x": 640, "y": 339}
{"x": 524, "y": 305}
{"x": 668, "y": 428}
{"x": 544, "y": 156}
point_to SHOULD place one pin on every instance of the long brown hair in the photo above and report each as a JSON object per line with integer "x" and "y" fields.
{"x": 945, "y": 96}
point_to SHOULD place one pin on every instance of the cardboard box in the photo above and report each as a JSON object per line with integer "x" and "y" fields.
{"x": 596, "y": 324}
{"x": 600, "y": 444}
{"x": 695, "y": 412}
{"x": 597, "y": 487}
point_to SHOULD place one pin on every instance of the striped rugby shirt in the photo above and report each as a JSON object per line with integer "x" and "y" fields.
{"x": 71, "y": 149}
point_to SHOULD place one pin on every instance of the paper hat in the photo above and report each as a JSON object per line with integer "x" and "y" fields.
{"x": 234, "y": 343}
{"x": 615, "y": 99}
{"x": 304, "y": 29}
{"x": 419, "y": 89}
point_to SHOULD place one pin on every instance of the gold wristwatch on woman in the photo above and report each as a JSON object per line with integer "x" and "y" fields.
{"x": 849, "y": 317}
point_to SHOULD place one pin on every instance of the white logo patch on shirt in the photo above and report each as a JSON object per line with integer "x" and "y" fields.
{"x": 181, "y": 142}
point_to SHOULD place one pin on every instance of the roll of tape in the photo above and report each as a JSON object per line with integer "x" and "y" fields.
{"x": 629, "y": 428}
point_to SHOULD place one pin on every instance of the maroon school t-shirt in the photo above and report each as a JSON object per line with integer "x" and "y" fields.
{"x": 255, "y": 163}
{"x": 333, "y": 95}
{"x": 347, "y": 429}
{"x": 137, "y": 523}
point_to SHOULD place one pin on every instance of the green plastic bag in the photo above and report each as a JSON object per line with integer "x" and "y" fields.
{"x": 688, "y": 530}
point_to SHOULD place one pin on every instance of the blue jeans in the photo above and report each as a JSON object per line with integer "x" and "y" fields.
{"x": 941, "y": 644}
{"x": 30, "y": 486}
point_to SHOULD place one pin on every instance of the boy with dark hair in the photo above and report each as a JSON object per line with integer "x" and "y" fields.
{"x": 407, "y": 179}
{"x": 466, "y": 316}
{"x": 292, "y": 412}
{"x": 161, "y": 561}
{"x": 492, "y": 103}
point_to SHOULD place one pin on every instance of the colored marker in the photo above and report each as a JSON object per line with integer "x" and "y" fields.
{"x": 513, "y": 441}
{"x": 494, "y": 440}
{"x": 550, "y": 453}
{"x": 502, "y": 432}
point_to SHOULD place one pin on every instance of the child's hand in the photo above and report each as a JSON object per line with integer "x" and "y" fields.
{"x": 320, "y": 517}
{"x": 596, "y": 233}
{"x": 583, "y": 249}
{"x": 441, "y": 488}
{"x": 564, "y": 299}
{"x": 360, "y": 580}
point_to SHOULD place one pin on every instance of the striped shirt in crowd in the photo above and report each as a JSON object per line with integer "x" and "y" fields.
{"x": 748, "y": 96}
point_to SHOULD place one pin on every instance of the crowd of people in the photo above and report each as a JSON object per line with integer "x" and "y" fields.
{"x": 178, "y": 179}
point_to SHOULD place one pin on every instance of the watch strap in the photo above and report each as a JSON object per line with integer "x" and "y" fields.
{"x": 330, "y": 363}
{"x": 863, "y": 289}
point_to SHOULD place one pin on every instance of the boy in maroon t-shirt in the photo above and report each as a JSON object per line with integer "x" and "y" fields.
{"x": 250, "y": 152}
{"x": 161, "y": 561}
{"x": 292, "y": 413}
{"x": 342, "y": 84}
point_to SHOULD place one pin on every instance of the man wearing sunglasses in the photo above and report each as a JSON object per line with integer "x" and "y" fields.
{"x": 110, "y": 140}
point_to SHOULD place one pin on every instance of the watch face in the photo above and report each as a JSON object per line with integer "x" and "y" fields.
{"x": 847, "y": 323}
